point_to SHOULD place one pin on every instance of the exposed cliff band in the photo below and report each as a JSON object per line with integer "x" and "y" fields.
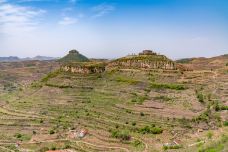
{"x": 74, "y": 62}
{"x": 145, "y": 60}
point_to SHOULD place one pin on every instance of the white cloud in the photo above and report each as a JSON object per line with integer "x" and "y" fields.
{"x": 2, "y": 1}
{"x": 16, "y": 18}
{"x": 68, "y": 21}
{"x": 102, "y": 9}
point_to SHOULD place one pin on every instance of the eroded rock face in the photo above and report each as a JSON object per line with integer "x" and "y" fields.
{"x": 145, "y": 60}
{"x": 83, "y": 69}
{"x": 166, "y": 65}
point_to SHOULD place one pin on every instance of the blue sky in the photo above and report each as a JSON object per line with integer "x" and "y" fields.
{"x": 113, "y": 28}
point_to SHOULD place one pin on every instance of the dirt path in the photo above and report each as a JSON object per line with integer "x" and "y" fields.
{"x": 19, "y": 113}
{"x": 106, "y": 147}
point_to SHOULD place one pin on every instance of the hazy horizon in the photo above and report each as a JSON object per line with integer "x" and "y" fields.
{"x": 114, "y": 28}
{"x": 23, "y": 57}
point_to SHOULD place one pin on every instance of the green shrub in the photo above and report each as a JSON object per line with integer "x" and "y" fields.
{"x": 203, "y": 116}
{"x": 133, "y": 123}
{"x": 172, "y": 147}
{"x": 200, "y": 97}
{"x": 53, "y": 147}
{"x": 43, "y": 149}
{"x": 18, "y": 135}
{"x": 22, "y": 137}
{"x": 122, "y": 135}
{"x": 137, "y": 143}
{"x": 67, "y": 146}
{"x": 223, "y": 107}
{"x": 50, "y": 75}
{"x": 209, "y": 134}
{"x": 58, "y": 86}
{"x": 219, "y": 107}
{"x": 167, "y": 86}
{"x": 51, "y": 132}
{"x": 150, "y": 130}
{"x": 139, "y": 99}
{"x": 216, "y": 146}
{"x": 225, "y": 123}
{"x": 142, "y": 114}
{"x": 164, "y": 98}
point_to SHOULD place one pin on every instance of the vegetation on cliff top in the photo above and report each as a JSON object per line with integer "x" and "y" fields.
{"x": 144, "y": 58}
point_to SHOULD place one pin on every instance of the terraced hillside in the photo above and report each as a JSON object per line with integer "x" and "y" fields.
{"x": 121, "y": 110}
{"x": 205, "y": 63}
{"x": 16, "y": 75}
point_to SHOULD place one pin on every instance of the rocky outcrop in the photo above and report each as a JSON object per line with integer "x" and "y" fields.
{"x": 166, "y": 65}
{"x": 145, "y": 60}
{"x": 84, "y": 68}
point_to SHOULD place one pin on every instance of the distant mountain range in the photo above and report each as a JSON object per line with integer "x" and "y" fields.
{"x": 15, "y": 58}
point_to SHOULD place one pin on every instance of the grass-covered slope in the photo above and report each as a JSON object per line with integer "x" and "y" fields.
{"x": 123, "y": 110}
{"x": 145, "y": 58}
{"x": 74, "y": 56}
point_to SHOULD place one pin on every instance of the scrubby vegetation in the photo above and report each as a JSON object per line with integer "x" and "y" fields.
{"x": 50, "y": 76}
{"x": 167, "y": 86}
{"x": 151, "y": 130}
{"x": 172, "y": 147}
{"x": 225, "y": 123}
{"x": 121, "y": 134}
{"x": 127, "y": 80}
{"x": 219, "y": 107}
{"x": 163, "y": 98}
{"x": 216, "y": 146}
{"x": 139, "y": 98}
{"x": 200, "y": 97}
{"x": 22, "y": 137}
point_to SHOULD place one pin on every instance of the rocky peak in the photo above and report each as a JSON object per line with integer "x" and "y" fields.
{"x": 74, "y": 56}
{"x": 73, "y": 52}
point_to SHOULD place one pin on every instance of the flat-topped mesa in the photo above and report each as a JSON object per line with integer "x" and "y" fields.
{"x": 84, "y": 67}
{"x": 145, "y": 60}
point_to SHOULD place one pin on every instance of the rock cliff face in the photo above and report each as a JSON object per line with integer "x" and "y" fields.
{"x": 84, "y": 68}
{"x": 145, "y": 60}
{"x": 131, "y": 64}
